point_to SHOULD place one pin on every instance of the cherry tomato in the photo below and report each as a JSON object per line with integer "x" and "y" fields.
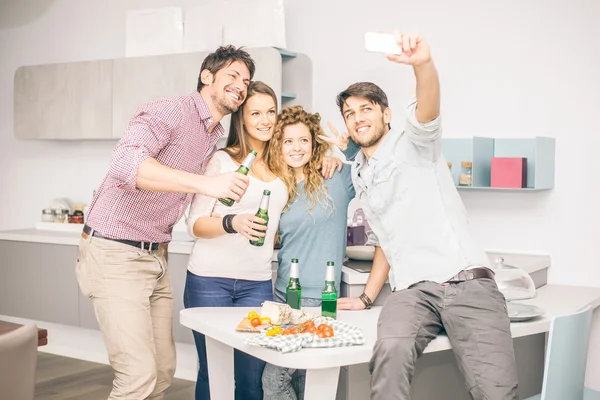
{"x": 310, "y": 329}
{"x": 252, "y": 315}
{"x": 290, "y": 331}
{"x": 309, "y": 325}
{"x": 255, "y": 322}
{"x": 325, "y": 333}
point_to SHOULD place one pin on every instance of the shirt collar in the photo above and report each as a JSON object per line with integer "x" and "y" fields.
{"x": 384, "y": 150}
{"x": 205, "y": 115}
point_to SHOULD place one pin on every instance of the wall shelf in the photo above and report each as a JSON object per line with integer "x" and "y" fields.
{"x": 539, "y": 151}
{"x": 287, "y": 53}
{"x": 495, "y": 189}
{"x": 288, "y": 95}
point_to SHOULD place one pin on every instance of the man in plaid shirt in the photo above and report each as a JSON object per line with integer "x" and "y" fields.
{"x": 155, "y": 170}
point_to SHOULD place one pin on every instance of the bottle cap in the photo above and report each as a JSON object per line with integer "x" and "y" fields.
{"x": 253, "y": 152}
{"x": 294, "y": 269}
{"x": 330, "y": 273}
{"x": 267, "y": 192}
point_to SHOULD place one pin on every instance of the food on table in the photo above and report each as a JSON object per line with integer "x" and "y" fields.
{"x": 274, "y": 331}
{"x": 277, "y": 312}
{"x": 300, "y": 317}
{"x": 324, "y": 331}
{"x": 265, "y": 321}
{"x": 307, "y": 327}
{"x": 255, "y": 322}
{"x": 252, "y": 314}
{"x": 290, "y": 331}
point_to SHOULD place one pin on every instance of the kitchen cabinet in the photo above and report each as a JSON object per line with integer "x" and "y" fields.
{"x": 64, "y": 101}
{"x": 96, "y": 99}
{"x": 38, "y": 282}
{"x": 138, "y": 80}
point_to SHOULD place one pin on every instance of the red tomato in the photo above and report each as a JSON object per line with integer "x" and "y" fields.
{"x": 255, "y": 322}
{"x": 325, "y": 333}
{"x": 310, "y": 329}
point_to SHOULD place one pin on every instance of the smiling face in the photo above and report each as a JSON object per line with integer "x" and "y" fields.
{"x": 366, "y": 122}
{"x": 228, "y": 87}
{"x": 296, "y": 146}
{"x": 259, "y": 117}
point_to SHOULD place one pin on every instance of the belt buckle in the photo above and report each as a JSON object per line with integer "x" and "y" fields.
{"x": 142, "y": 245}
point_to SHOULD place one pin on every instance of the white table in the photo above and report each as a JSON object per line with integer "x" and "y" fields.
{"x": 323, "y": 365}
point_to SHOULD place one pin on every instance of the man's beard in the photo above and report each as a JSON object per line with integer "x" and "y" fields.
{"x": 223, "y": 105}
{"x": 373, "y": 140}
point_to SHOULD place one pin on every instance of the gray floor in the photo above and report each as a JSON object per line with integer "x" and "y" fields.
{"x": 62, "y": 378}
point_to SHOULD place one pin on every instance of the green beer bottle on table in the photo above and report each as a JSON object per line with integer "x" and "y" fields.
{"x": 329, "y": 294}
{"x": 263, "y": 212}
{"x": 243, "y": 169}
{"x": 293, "y": 291}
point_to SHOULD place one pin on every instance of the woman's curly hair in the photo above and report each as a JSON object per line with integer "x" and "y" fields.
{"x": 315, "y": 187}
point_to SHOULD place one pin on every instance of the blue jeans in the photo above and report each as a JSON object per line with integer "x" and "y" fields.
{"x": 281, "y": 383}
{"x": 224, "y": 292}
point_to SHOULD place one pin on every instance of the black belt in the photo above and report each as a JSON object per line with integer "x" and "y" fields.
{"x": 141, "y": 245}
{"x": 473, "y": 273}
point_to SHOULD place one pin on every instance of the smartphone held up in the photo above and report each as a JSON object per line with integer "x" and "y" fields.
{"x": 384, "y": 43}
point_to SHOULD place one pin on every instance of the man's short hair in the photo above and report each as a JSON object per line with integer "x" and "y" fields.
{"x": 367, "y": 90}
{"x": 222, "y": 57}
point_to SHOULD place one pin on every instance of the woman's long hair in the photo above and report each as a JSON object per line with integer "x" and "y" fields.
{"x": 237, "y": 145}
{"x": 314, "y": 185}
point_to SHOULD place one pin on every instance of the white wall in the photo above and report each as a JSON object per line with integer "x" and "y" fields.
{"x": 508, "y": 69}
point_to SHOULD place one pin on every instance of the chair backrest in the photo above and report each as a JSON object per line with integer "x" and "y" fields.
{"x": 18, "y": 362}
{"x": 566, "y": 357}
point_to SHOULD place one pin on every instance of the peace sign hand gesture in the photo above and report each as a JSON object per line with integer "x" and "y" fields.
{"x": 340, "y": 140}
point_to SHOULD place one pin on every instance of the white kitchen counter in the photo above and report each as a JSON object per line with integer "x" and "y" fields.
{"x": 181, "y": 244}
{"x": 531, "y": 263}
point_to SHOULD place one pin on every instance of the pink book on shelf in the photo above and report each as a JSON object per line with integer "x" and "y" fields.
{"x": 508, "y": 172}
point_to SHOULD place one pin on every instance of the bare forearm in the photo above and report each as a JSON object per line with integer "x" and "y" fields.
{"x": 379, "y": 274}
{"x": 428, "y": 92}
{"x": 156, "y": 177}
{"x": 209, "y": 227}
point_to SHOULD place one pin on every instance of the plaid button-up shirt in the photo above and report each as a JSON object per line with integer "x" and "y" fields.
{"x": 174, "y": 131}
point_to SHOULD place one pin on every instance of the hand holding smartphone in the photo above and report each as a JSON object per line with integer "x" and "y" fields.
{"x": 385, "y": 43}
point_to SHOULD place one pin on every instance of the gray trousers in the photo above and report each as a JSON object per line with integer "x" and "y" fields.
{"x": 473, "y": 314}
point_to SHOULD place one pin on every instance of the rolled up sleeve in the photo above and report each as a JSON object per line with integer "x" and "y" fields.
{"x": 148, "y": 133}
{"x": 202, "y": 206}
{"x": 427, "y": 136}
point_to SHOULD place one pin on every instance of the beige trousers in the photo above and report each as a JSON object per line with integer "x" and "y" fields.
{"x": 131, "y": 292}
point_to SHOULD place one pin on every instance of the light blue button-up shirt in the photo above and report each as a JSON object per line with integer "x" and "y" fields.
{"x": 409, "y": 198}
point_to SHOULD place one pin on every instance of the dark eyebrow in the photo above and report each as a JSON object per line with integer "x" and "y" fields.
{"x": 361, "y": 106}
{"x": 246, "y": 81}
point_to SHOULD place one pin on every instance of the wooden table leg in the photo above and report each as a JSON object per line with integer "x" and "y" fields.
{"x": 220, "y": 369}
{"x": 322, "y": 383}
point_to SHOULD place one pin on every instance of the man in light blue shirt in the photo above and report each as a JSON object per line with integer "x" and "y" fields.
{"x": 439, "y": 276}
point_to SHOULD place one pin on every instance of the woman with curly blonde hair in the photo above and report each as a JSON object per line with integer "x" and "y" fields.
{"x": 312, "y": 227}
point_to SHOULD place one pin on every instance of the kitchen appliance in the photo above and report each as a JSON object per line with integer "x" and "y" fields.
{"x": 514, "y": 283}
